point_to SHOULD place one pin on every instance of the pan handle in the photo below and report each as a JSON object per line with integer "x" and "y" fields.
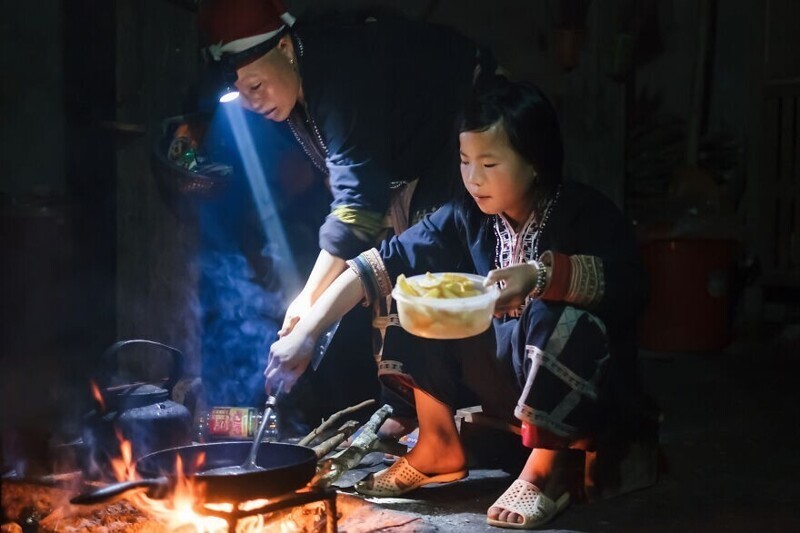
{"x": 156, "y": 488}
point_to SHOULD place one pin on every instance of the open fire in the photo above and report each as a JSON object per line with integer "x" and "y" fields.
{"x": 189, "y": 503}
{"x": 185, "y": 508}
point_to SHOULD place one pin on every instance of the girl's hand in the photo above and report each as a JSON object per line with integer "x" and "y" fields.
{"x": 515, "y": 282}
{"x": 289, "y": 356}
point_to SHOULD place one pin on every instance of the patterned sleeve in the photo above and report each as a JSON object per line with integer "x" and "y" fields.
{"x": 432, "y": 245}
{"x": 600, "y": 268}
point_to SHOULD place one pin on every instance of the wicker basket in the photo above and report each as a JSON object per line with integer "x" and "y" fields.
{"x": 175, "y": 179}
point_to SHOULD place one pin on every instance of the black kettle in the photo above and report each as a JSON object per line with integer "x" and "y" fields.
{"x": 140, "y": 413}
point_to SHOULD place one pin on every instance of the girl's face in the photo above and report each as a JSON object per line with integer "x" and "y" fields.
{"x": 495, "y": 175}
{"x": 270, "y": 85}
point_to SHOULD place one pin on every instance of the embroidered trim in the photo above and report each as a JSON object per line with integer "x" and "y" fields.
{"x": 560, "y": 272}
{"x": 385, "y": 321}
{"x": 513, "y": 248}
{"x": 371, "y": 271}
{"x": 549, "y": 361}
{"x": 553, "y": 421}
{"x": 587, "y": 283}
{"x": 543, "y": 419}
{"x": 381, "y": 276}
{"x": 361, "y": 269}
{"x": 390, "y": 367}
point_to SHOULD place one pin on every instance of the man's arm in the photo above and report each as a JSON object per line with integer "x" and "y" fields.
{"x": 326, "y": 269}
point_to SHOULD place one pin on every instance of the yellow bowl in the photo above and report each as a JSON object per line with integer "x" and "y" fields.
{"x": 447, "y": 318}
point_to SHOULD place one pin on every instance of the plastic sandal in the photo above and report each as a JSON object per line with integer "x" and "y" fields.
{"x": 401, "y": 478}
{"x": 526, "y": 500}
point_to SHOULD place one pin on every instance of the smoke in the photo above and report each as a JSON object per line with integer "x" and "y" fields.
{"x": 241, "y": 320}
{"x": 257, "y": 242}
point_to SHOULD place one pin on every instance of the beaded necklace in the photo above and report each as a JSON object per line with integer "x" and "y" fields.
{"x": 309, "y": 121}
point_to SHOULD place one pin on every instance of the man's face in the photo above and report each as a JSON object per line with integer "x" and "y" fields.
{"x": 270, "y": 85}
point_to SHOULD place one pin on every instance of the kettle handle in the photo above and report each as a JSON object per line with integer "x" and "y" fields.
{"x": 176, "y": 371}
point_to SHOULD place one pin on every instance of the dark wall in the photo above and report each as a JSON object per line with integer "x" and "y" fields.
{"x": 58, "y": 203}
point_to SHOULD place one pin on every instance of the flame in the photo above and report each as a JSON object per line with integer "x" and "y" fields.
{"x": 180, "y": 510}
{"x": 98, "y": 396}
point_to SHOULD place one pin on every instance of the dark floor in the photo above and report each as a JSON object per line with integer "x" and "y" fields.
{"x": 730, "y": 436}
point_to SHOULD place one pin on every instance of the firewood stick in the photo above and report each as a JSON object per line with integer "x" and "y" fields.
{"x": 347, "y": 429}
{"x": 331, "y": 420}
{"x": 331, "y": 469}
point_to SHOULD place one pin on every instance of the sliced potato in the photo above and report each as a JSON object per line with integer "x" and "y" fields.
{"x": 446, "y": 285}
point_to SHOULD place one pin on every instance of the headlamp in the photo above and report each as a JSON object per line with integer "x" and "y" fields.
{"x": 229, "y": 92}
{"x": 231, "y": 62}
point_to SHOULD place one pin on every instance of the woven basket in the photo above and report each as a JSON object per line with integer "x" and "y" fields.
{"x": 175, "y": 179}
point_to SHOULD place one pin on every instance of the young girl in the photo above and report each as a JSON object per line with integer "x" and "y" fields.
{"x": 561, "y": 353}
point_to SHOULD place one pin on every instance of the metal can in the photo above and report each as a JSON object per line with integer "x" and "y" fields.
{"x": 233, "y": 423}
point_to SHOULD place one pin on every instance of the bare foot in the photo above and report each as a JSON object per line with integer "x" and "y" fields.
{"x": 432, "y": 456}
{"x": 548, "y": 470}
{"x": 438, "y": 449}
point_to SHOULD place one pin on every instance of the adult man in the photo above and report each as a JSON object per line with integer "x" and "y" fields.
{"x": 373, "y": 102}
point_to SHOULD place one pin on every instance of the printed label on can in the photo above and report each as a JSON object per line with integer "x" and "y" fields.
{"x": 230, "y": 422}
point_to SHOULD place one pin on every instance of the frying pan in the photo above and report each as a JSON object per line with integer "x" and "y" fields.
{"x": 286, "y": 467}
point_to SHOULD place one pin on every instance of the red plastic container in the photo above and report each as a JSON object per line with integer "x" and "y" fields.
{"x": 689, "y": 301}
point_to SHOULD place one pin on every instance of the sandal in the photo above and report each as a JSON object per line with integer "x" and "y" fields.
{"x": 401, "y": 478}
{"x": 526, "y": 500}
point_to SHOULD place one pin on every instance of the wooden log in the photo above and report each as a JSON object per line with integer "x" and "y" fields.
{"x": 331, "y": 469}
{"x": 331, "y": 420}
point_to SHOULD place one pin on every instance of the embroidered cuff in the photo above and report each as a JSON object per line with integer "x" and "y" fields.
{"x": 575, "y": 279}
{"x": 587, "y": 283}
{"x": 369, "y": 268}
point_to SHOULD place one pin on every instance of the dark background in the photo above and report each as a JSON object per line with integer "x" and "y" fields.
{"x": 92, "y": 252}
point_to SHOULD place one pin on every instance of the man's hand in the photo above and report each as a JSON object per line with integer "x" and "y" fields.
{"x": 294, "y": 313}
{"x": 289, "y": 357}
{"x": 515, "y": 282}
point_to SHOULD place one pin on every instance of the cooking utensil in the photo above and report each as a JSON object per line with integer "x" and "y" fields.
{"x": 321, "y": 346}
{"x": 282, "y": 468}
{"x": 142, "y": 412}
{"x": 249, "y": 464}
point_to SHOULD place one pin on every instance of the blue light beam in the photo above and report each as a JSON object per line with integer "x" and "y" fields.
{"x": 268, "y": 215}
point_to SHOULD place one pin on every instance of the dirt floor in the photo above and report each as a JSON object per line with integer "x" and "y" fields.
{"x": 730, "y": 437}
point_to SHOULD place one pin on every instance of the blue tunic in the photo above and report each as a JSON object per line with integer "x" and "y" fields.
{"x": 588, "y": 355}
{"x": 382, "y": 100}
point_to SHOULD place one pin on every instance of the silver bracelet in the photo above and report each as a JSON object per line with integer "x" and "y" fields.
{"x": 541, "y": 278}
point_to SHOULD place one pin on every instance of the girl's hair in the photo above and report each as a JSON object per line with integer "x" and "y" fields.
{"x": 530, "y": 122}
